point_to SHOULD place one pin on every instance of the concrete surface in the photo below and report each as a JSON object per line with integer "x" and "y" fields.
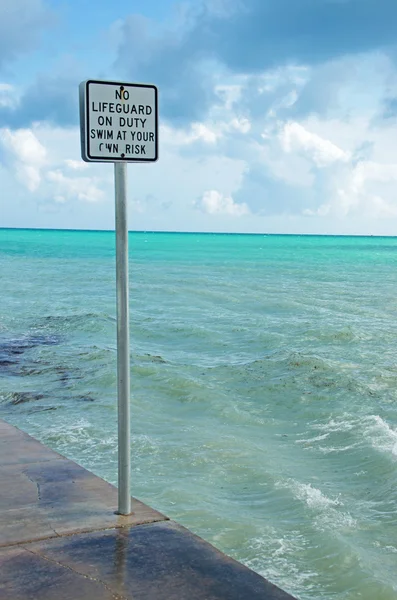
{"x": 60, "y": 539}
{"x": 42, "y": 494}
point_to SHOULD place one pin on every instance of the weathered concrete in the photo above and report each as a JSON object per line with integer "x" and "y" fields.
{"x": 61, "y": 540}
{"x": 44, "y": 495}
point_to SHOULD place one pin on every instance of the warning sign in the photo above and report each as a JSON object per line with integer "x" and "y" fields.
{"x": 118, "y": 122}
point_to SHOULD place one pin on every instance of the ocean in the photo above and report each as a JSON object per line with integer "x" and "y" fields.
{"x": 263, "y": 388}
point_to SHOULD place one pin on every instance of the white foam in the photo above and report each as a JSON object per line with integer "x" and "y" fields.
{"x": 327, "y": 513}
{"x": 345, "y": 423}
{"x": 282, "y": 563}
{"x": 318, "y": 438}
{"x": 337, "y": 449}
{"x": 335, "y": 519}
{"x": 381, "y": 435}
{"x": 314, "y": 497}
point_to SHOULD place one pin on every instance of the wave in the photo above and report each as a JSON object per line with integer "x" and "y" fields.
{"x": 344, "y": 423}
{"x": 381, "y": 435}
{"x": 317, "y": 438}
{"x": 327, "y": 510}
{"x": 312, "y": 496}
{"x": 353, "y": 432}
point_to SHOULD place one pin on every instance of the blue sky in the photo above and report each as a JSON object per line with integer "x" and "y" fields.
{"x": 276, "y": 115}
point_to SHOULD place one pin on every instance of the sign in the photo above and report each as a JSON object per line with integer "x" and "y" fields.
{"x": 118, "y": 122}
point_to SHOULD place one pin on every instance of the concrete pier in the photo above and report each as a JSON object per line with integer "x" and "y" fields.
{"x": 60, "y": 539}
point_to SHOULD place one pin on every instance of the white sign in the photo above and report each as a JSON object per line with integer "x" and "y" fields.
{"x": 118, "y": 122}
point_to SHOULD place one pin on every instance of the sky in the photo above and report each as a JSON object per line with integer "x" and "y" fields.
{"x": 276, "y": 116}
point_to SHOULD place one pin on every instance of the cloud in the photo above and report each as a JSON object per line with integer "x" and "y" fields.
{"x": 69, "y": 188}
{"x": 21, "y": 24}
{"x": 294, "y": 137}
{"x": 76, "y": 165}
{"x": 70, "y": 196}
{"x": 187, "y": 62}
{"x": 369, "y": 188}
{"x": 215, "y": 203}
{"x": 23, "y": 152}
{"x": 51, "y": 98}
{"x": 288, "y": 56}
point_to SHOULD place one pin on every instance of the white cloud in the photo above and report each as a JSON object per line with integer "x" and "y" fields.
{"x": 242, "y": 125}
{"x": 210, "y": 133}
{"x": 76, "y": 165}
{"x": 295, "y": 138}
{"x": 367, "y": 189}
{"x": 183, "y": 137}
{"x": 24, "y": 154}
{"x": 215, "y": 203}
{"x": 82, "y": 188}
{"x": 372, "y": 171}
{"x": 203, "y": 132}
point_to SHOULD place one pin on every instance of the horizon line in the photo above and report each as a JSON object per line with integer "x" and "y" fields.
{"x": 148, "y": 231}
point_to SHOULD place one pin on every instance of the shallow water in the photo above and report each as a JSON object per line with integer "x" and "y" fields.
{"x": 264, "y": 396}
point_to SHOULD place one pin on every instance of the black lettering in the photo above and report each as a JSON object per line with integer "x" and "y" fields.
{"x": 141, "y": 109}
{"x": 141, "y": 136}
{"x": 132, "y": 135}
{"x": 122, "y": 94}
{"x": 102, "y": 134}
{"x": 93, "y": 107}
{"x": 148, "y": 110}
{"x": 101, "y": 120}
{"x": 109, "y": 121}
{"x": 104, "y": 106}
{"x": 118, "y": 108}
{"x": 122, "y": 121}
{"x": 143, "y": 121}
{"x": 135, "y": 149}
{"x": 92, "y": 136}
{"x": 130, "y": 121}
{"x": 112, "y": 147}
{"x": 151, "y": 137}
{"x": 111, "y": 107}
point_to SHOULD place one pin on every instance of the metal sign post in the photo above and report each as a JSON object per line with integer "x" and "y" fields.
{"x": 123, "y": 340}
{"x": 119, "y": 123}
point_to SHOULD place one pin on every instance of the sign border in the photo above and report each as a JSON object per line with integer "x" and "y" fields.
{"x": 84, "y": 122}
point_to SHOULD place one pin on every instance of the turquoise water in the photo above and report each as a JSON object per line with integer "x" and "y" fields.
{"x": 264, "y": 388}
